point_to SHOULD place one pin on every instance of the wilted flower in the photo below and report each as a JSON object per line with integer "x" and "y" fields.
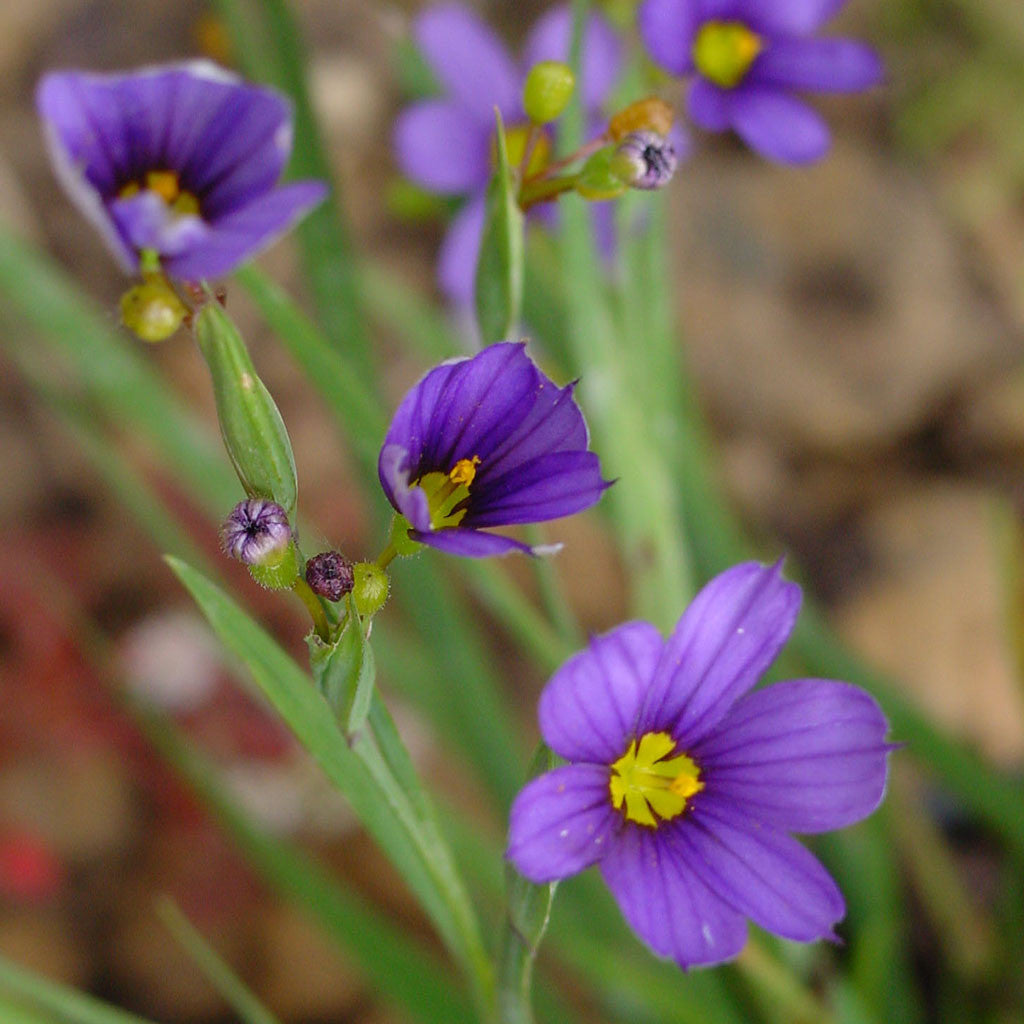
{"x": 445, "y": 144}
{"x": 749, "y": 57}
{"x": 256, "y": 532}
{"x": 683, "y": 786}
{"x": 330, "y": 575}
{"x": 180, "y": 161}
{"x": 487, "y": 441}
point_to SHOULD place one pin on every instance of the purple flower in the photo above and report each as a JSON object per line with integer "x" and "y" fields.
{"x": 256, "y": 531}
{"x": 181, "y": 160}
{"x": 487, "y": 441}
{"x": 683, "y": 786}
{"x": 749, "y": 57}
{"x": 444, "y": 144}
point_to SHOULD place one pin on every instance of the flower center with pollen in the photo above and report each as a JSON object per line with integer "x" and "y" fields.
{"x": 724, "y": 50}
{"x": 646, "y": 782}
{"x": 446, "y": 491}
{"x": 168, "y": 187}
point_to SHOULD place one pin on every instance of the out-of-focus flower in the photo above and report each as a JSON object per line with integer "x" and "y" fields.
{"x": 749, "y": 57}
{"x": 487, "y": 441}
{"x": 445, "y": 144}
{"x": 178, "y": 162}
{"x": 684, "y": 786}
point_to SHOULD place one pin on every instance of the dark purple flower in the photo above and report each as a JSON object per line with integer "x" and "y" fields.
{"x": 487, "y": 441}
{"x": 684, "y": 786}
{"x": 180, "y": 160}
{"x": 256, "y": 532}
{"x": 330, "y": 574}
{"x": 749, "y": 57}
{"x": 444, "y": 144}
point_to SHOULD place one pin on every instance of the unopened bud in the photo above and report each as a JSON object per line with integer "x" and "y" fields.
{"x": 152, "y": 310}
{"x": 547, "y": 91}
{"x": 597, "y": 180}
{"x": 330, "y": 575}
{"x": 644, "y": 160}
{"x": 258, "y": 534}
{"x": 646, "y": 115}
{"x": 369, "y": 587}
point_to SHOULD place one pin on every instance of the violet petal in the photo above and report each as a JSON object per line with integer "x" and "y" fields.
{"x": 778, "y": 126}
{"x": 821, "y": 65}
{"x": 668, "y": 29}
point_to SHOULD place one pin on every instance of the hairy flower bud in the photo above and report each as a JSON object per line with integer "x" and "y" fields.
{"x": 647, "y": 115}
{"x": 152, "y": 310}
{"x": 547, "y": 91}
{"x": 644, "y": 160}
{"x": 258, "y": 534}
{"x": 370, "y": 587}
{"x": 330, "y": 575}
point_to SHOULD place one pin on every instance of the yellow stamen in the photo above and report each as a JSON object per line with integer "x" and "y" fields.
{"x": 724, "y": 50}
{"x": 464, "y": 471}
{"x": 167, "y": 186}
{"x": 164, "y": 184}
{"x": 650, "y": 785}
{"x": 516, "y": 138}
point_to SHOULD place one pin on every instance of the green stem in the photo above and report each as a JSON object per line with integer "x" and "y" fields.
{"x": 387, "y": 556}
{"x": 301, "y": 589}
{"x": 552, "y": 593}
{"x": 541, "y": 191}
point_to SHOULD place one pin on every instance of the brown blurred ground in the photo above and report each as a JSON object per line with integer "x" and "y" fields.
{"x": 856, "y": 331}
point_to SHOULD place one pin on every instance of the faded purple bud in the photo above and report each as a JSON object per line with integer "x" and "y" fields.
{"x": 645, "y": 160}
{"x": 330, "y": 575}
{"x": 256, "y": 532}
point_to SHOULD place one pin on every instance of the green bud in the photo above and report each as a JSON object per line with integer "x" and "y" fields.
{"x": 370, "y": 587}
{"x": 278, "y": 571}
{"x": 597, "y": 178}
{"x": 152, "y": 310}
{"x": 253, "y": 431}
{"x": 547, "y": 91}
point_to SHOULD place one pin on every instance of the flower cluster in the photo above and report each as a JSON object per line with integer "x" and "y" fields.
{"x": 682, "y": 785}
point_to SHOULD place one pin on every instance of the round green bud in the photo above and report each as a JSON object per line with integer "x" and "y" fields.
{"x": 370, "y": 587}
{"x": 277, "y": 571}
{"x": 597, "y": 179}
{"x": 152, "y": 310}
{"x": 547, "y": 91}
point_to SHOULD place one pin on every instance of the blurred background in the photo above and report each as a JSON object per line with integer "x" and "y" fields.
{"x": 856, "y": 335}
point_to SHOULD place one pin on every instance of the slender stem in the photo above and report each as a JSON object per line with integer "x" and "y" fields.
{"x": 301, "y": 589}
{"x": 532, "y": 138}
{"x": 552, "y": 593}
{"x": 567, "y": 161}
{"x": 541, "y": 191}
{"x": 387, "y": 556}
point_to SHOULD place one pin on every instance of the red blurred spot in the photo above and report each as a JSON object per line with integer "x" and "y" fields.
{"x": 30, "y": 871}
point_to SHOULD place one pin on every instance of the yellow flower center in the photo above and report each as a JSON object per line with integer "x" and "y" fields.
{"x": 167, "y": 186}
{"x": 646, "y": 782}
{"x": 516, "y": 138}
{"x": 445, "y": 491}
{"x": 724, "y": 50}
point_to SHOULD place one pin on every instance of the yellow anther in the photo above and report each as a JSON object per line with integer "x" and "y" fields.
{"x": 724, "y": 50}
{"x": 129, "y": 190}
{"x": 646, "y": 115}
{"x": 164, "y": 184}
{"x": 650, "y": 786}
{"x": 464, "y": 471}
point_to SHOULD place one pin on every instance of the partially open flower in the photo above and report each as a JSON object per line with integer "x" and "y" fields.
{"x": 683, "y": 785}
{"x": 180, "y": 161}
{"x": 645, "y": 160}
{"x": 487, "y": 441}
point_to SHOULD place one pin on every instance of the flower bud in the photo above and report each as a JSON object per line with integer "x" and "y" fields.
{"x": 369, "y": 588}
{"x": 644, "y": 160}
{"x": 597, "y": 180}
{"x": 254, "y": 433}
{"x": 647, "y": 115}
{"x": 258, "y": 534}
{"x": 152, "y": 310}
{"x": 547, "y": 91}
{"x": 330, "y": 575}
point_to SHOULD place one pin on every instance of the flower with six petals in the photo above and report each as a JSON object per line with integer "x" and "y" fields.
{"x": 683, "y": 786}
{"x": 749, "y": 57}
{"x": 179, "y": 161}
